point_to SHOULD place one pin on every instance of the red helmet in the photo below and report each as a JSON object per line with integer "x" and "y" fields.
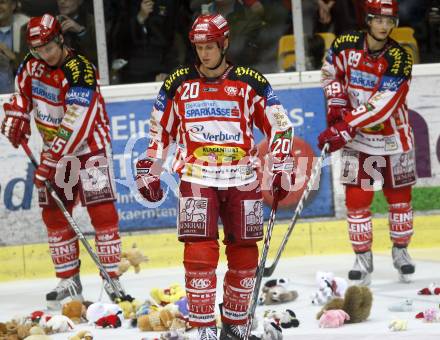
{"x": 382, "y": 7}
{"x": 208, "y": 28}
{"x": 42, "y": 30}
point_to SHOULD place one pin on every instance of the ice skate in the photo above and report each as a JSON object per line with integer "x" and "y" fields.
{"x": 66, "y": 288}
{"x": 232, "y": 332}
{"x": 207, "y": 333}
{"x": 114, "y": 295}
{"x": 403, "y": 263}
{"x": 362, "y": 269}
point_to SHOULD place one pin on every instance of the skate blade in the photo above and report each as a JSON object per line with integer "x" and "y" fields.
{"x": 58, "y": 304}
{"x": 405, "y": 278}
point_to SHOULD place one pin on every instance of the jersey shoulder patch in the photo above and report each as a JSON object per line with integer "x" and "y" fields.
{"x": 79, "y": 71}
{"x": 177, "y": 77}
{"x": 350, "y": 40}
{"x": 250, "y": 76}
{"x": 399, "y": 61}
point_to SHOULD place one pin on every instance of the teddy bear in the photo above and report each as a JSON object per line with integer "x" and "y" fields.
{"x": 162, "y": 319}
{"x": 329, "y": 287}
{"x": 356, "y": 303}
{"x": 398, "y": 325}
{"x": 14, "y": 330}
{"x": 168, "y": 295}
{"x": 37, "y": 333}
{"x": 74, "y": 310}
{"x": 132, "y": 257}
{"x": 333, "y": 318}
{"x": 82, "y": 335}
{"x": 277, "y": 291}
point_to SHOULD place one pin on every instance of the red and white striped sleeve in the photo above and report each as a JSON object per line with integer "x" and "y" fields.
{"x": 390, "y": 94}
{"x": 81, "y": 106}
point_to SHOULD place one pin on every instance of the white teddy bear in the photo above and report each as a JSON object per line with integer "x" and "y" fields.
{"x": 329, "y": 287}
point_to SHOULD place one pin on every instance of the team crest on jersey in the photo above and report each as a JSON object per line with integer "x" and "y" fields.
{"x": 231, "y": 90}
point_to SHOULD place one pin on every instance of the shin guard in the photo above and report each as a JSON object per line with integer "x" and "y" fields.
{"x": 107, "y": 240}
{"x": 401, "y": 223}
{"x": 200, "y": 261}
{"x": 63, "y": 243}
{"x": 360, "y": 230}
{"x": 239, "y": 282}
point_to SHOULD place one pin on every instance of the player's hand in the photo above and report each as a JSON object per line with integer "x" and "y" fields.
{"x": 46, "y": 170}
{"x": 336, "y": 114}
{"x": 148, "y": 183}
{"x": 336, "y": 136}
{"x": 283, "y": 178}
{"x": 15, "y": 126}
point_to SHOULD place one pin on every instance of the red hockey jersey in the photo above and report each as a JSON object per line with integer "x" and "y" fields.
{"x": 377, "y": 86}
{"x": 211, "y": 121}
{"x": 66, "y": 103}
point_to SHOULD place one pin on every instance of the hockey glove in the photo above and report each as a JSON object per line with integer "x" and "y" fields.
{"x": 15, "y": 126}
{"x": 283, "y": 178}
{"x": 335, "y": 114}
{"x": 46, "y": 170}
{"x": 336, "y": 136}
{"x": 147, "y": 183}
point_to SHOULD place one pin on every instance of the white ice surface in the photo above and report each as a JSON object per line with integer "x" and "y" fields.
{"x": 23, "y": 297}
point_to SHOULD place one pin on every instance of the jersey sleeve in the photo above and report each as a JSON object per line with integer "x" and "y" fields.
{"x": 269, "y": 114}
{"x": 20, "y": 103}
{"x": 81, "y": 106}
{"x": 333, "y": 69}
{"x": 390, "y": 93}
{"x": 164, "y": 120}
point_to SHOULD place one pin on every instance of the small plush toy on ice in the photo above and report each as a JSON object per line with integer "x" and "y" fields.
{"x": 329, "y": 287}
{"x": 333, "y": 318}
{"x": 277, "y": 291}
{"x": 398, "y": 325}
{"x": 432, "y": 289}
{"x": 356, "y": 303}
{"x": 168, "y": 295}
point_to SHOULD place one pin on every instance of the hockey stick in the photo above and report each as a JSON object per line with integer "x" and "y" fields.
{"x": 268, "y": 271}
{"x": 120, "y": 294}
{"x": 260, "y": 269}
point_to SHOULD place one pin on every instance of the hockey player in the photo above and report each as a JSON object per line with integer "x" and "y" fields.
{"x": 366, "y": 78}
{"x": 209, "y": 110}
{"x": 59, "y": 88}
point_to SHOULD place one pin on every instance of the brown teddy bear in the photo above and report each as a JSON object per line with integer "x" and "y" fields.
{"x": 132, "y": 257}
{"x": 74, "y": 310}
{"x": 356, "y": 303}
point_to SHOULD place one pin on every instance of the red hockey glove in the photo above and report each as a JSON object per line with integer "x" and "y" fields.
{"x": 16, "y": 126}
{"x": 283, "y": 178}
{"x": 46, "y": 170}
{"x": 148, "y": 184}
{"x": 336, "y": 136}
{"x": 336, "y": 114}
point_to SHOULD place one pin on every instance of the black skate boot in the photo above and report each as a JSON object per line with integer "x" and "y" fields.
{"x": 66, "y": 288}
{"x": 232, "y": 332}
{"x": 403, "y": 263}
{"x": 207, "y": 333}
{"x": 362, "y": 269}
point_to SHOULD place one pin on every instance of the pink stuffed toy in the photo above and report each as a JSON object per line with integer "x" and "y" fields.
{"x": 333, "y": 318}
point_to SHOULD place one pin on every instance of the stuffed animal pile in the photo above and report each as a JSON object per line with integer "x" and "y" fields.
{"x": 356, "y": 304}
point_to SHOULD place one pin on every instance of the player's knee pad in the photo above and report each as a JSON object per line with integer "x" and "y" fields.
{"x": 358, "y": 199}
{"x": 239, "y": 281}
{"x": 63, "y": 243}
{"x": 107, "y": 240}
{"x": 400, "y": 215}
{"x": 200, "y": 261}
{"x": 360, "y": 230}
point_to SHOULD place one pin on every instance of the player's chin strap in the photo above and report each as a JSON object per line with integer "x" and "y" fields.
{"x": 120, "y": 294}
